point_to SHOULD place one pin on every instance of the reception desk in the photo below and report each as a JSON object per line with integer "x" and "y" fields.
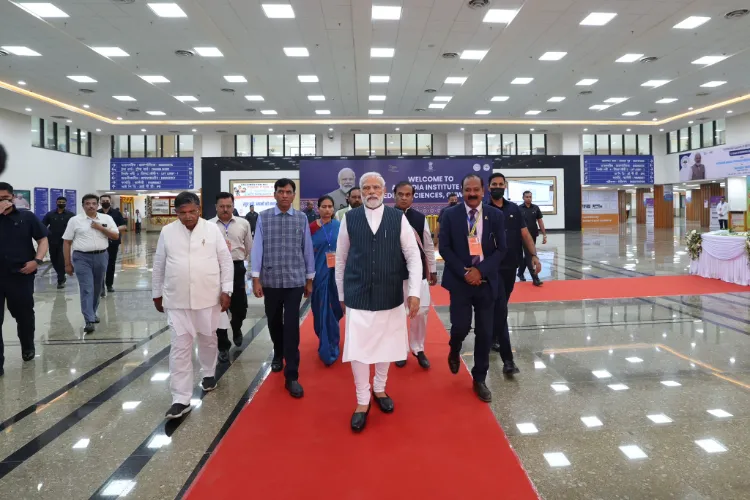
{"x": 723, "y": 257}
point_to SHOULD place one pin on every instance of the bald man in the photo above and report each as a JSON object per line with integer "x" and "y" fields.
{"x": 347, "y": 180}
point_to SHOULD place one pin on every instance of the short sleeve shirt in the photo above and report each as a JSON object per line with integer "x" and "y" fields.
{"x": 18, "y": 230}
{"x": 531, "y": 215}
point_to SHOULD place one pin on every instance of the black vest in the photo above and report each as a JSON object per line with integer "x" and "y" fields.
{"x": 417, "y": 220}
{"x": 375, "y": 267}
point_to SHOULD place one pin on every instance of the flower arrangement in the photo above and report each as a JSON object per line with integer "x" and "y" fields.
{"x": 694, "y": 241}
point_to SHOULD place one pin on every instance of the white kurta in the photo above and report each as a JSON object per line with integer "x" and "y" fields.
{"x": 378, "y": 336}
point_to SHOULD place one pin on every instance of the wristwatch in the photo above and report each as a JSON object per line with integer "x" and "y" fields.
{"x": 39, "y": 261}
{"x": 229, "y": 293}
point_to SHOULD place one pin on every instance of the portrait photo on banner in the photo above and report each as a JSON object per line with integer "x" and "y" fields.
{"x": 258, "y": 193}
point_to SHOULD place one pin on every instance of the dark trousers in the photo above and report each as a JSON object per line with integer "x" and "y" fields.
{"x": 526, "y": 262}
{"x": 723, "y": 224}
{"x": 18, "y": 291}
{"x": 462, "y": 305}
{"x": 109, "y": 280}
{"x": 501, "y": 334}
{"x": 137, "y": 228}
{"x": 237, "y": 308}
{"x": 58, "y": 259}
{"x": 282, "y": 310}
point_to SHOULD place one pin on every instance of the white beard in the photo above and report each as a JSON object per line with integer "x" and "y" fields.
{"x": 373, "y": 204}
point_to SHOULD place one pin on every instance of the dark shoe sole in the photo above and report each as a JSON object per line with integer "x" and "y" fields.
{"x": 277, "y": 368}
{"x": 400, "y": 364}
{"x": 237, "y": 341}
{"x": 209, "y": 389}
{"x": 182, "y": 414}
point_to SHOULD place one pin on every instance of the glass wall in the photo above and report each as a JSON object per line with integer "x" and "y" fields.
{"x": 616, "y": 144}
{"x": 708, "y": 135}
{"x": 48, "y": 134}
{"x": 392, "y": 144}
{"x": 602, "y": 144}
{"x": 424, "y": 144}
{"x": 61, "y": 131}
{"x": 307, "y": 144}
{"x": 260, "y": 145}
{"x": 291, "y": 145}
{"x": 509, "y": 144}
{"x": 169, "y": 146}
{"x": 153, "y": 148}
{"x": 361, "y": 145}
{"x": 150, "y": 146}
{"x": 377, "y": 144}
{"x": 37, "y": 132}
{"x": 73, "y": 142}
{"x": 276, "y": 145}
{"x": 703, "y": 135}
{"x": 589, "y": 146}
{"x": 523, "y": 144}
{"x": 408, "y": 144}
{"x": 617, "y": 147}
{"x": 494, "y": 144}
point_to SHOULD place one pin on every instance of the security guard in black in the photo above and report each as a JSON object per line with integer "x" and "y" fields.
{"x": 56, "y": 221}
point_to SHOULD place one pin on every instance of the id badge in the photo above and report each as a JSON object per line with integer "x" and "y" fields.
{"x": 331, "y": 259}
{"x": 475, "y": 247}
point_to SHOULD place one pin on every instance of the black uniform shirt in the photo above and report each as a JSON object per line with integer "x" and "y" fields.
{"x": 56, "y": 223}
{"x": 17, "y": 230}
{"x": 514, "y": 222}
{"x": 119, "y": 221}
{"x": 531, "y": 215}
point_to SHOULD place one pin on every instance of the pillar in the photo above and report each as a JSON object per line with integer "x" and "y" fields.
{"x": 663, "y": 206}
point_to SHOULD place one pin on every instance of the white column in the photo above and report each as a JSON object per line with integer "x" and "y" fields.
{"x": 456, "y": 144}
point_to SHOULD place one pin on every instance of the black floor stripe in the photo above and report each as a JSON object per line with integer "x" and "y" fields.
{"x": 29, "y": 410}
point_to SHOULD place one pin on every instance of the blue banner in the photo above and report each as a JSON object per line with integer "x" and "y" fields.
{"x": 618, "y": 169}
{"x": 54, "y": 194}
{"x": 433, "y": 178}
{"x": 145, "y": 174}
{"x": 70, "y": 195}
{"x": 41, "y": 201}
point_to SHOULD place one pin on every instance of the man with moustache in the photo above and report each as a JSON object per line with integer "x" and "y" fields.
{"x": 56, "y": 221}
{"x": 347, "y": 180}
{"x": 354, "y": 197}
{"x": 375, "y": 252}
{"x": 114, "y": 245}
{"x": 698, "y": 169}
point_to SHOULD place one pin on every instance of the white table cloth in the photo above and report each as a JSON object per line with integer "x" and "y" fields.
{"x": 724, "y": 258}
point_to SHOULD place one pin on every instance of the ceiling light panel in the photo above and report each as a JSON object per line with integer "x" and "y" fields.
{"x": 322, "y": 111}
{"x": 713, "y": 84}
{"x": 599, "y": 107}
{"x": 184, "y": 98}
{"x": 278, "y": 11}
{"x": 375, "y": 112}
{"x": 208, "y": 52}
{"x": 268, "y": 112}
{"x": 156, "y": 113}
{"x": 308, "y": 79}
{"x": 556, "y": 99}
{"x": 442, "y": 98}
{"x": 124, "y": 98}
{"x": 235, "y": 79}
{"x": 691, "y": 22}
{"x": 631, "y": 113}
{"x": 483, "y": 112}
{"x": 110, "y": 51}
{"x": 552, "y": 56}
{"x": 615, "y": 100}
{"x": 316, "y": 98}
{"x": 254, "y": 98}
{"x": 204, "y": 109}
{"x": 598, "y": 19}
{"x": 296, "y": 52}
{"x": 476, "y": 55}
{"x": 500, "y": 16}
{"x": 82, "y": 79}
{"x": 437, "y": 105}
{"x": 455, "y": 80}
{"x": 377, "y": 98}
{"x": 386, "y": 13}
{"x": 587, "y": 82}
{"x": 43, "y": 10}
{"x": 522, "y": 81}
{"x": 629, "y": 58}
{"x": 382, "y": 52}
{"x": 533, "y": 112}
{"x": 666, "y": 100}
{"x": 499, "y": 98}
{"x": 655, "y": 83}
{"x": 709, "y": 60}
{"x": 154, "y": 78}
{"x": 20, "y": 51}
{"x": 167, "y": 9}
{"x": 379, "y": 79}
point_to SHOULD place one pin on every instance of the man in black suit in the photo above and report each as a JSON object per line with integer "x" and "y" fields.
{"x": 472, "y": 244}
{"x": 252, "y": 218}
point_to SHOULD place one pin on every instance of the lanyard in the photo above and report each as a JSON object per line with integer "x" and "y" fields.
{"x": 226, "y": 227}
{"x": 473, "y": 229}
{"x": 328, "y": 237}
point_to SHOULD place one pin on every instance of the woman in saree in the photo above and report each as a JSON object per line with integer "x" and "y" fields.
{"x": 326, "y": 308}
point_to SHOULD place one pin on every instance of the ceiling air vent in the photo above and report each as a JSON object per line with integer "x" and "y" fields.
{"x": 605, "y": 131}
{"x": 478, "y": 4}
{"x": 703, "y": 119}
{"x": 134, "y": 110}
{"x": 551, "y": 110}
{"x": 291, "y": 131}
{"x": 450, "y": 55}
{"x": 356, "y": 130}
{"x": 419, "y": 110}
{"x": 542, "y": 130}
{"x": 123, "y": 1}
{"x": 175, "y": 132}
{"x": 585, "y": 92}
{"x": 702, "y": 94}
{"x": 420, "y": 130}
{"x": 652, "y": 111}
{"x": 736, "y": 14}
{"x": 86, "y": 91}
{"x": 648, "y": 59}
{"x": 484, "y": 130}
{"x": 59, "y": 117}
{"x": 221, "y": 131}
{"x": 228, "y": 91}
{"x": 251, "y": 110}
{"x": 184, "y": 53}
{"x": 4, "y": 53}
{"x": 430, "y": 91}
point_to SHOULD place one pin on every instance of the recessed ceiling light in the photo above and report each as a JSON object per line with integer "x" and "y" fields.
{"x": 86, "y": 106}
{"x": 462, "y": 129}
{"x": 709, "y": 60}
{"x": 455, "y": 80}
{"x": 330, "y": 129}
{"x": 585, "y": 130}
{"x": 397, "y": 129}
{"x": 715, "y": 83}
{"x": 156, "y": 113}
{"x": 599, "y": 107}
{"x": 316, "y": 98}
{"x": 208, "y": 52}
{"x": 522, "y": 81}
{"x": 143, "y": 130}
{"x": 28, "y": 110}
{"x": 616, "y": 100}
{"x": 119, "y": 117}
{"x": 377, "y": 98}
{"x": 730, "y": 111}
{"x": 20, "y": 51}
{"x": 666, "y": 100}
{"x": 379, "y": 79}
{"x": 69, "y": 121}
{"x": 382, "y": 52}
{"x": 533, "y": 112}
{"x": 502, "y": 16}
{"x": 186, "y": 98}
{"x": 483, "y": 112}
{"x": 499, "y": 98}
{"x": 655, "y": 83}
{"x": 110, "y": 51}
{"x": 235, "y": 79}
{"x": 442, "y": 98}
{"x": 278, "y": 11}
{"x": 690, "y": 109}
{"x": 195, "y": 130}
{"x": 661, "y": 130}
{"x": 587, "y": 81}
{"x": 204, "y": 109}
{"x": 552, "y": 56}
{"x": 322, "y": 111}
{"x": 307, "y": 79}
{"x": 691, "y": 22}
{"x": 386, "y": 13}
{"x": 98, "y": 130}
{"x": 154, "y": 78}
{"x": 631, "y": 113}
{"x": 375, "y": 112}
{"x": 21, "y": 83}
{"x": 270, "y": 130}
{"x": 629, "y": 58}
{"x": 556, "y": 99}
{"x": 296, "y": 52}
{"x": 627, "y": 130}
{"x": 124, "y": 98}
{"x": 167, "y": 9}
{"x": 437, "y": 105}
{"x": 598, "y": 19}
{"x": 531, "y": 129}
{"x": 268, "y": 112}
{"x": 82, "y": 79}
{"x": 476, "y": 55}
{"x": 254, "y": 98}
{"x": 42, "y": 9}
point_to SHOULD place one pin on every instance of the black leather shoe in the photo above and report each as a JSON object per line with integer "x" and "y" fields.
{"x": 482, "y": 391}
{"x": 385, "y": 404}
{"x": 28, "y": 355}
{"x": 510, "y": 368}
{"x": 401, "y": 363}
{"x": 224, "y": 356}
{"x": 423, "y": 361}
{"x": 110, "y": 289}
{"x": 89, "y": 328}
{"x": 237, "y": 338}
{"x": 61, "y": 286}
{"x": 277, "y": 365}
{"x": 96, "y": 319}
{"x": 454, "y": 361}
{"x": 496, "y": 346}
{"x": 294, "y": 388}
{"x": 521, "y": 277}
{"x": 538, "y": 282}
{"x": 359, "y": 419}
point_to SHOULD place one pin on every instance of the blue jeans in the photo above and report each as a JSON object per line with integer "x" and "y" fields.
{"x": 90, "y": 269}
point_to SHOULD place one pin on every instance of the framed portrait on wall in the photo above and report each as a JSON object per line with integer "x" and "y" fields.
{"x": 543, "y": 192}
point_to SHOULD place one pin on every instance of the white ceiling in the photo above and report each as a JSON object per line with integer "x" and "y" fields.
{"x": 339, "y": 35}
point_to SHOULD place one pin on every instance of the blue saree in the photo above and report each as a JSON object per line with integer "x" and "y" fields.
{"x": 326, "y": 308}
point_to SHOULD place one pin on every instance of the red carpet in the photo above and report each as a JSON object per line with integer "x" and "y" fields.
{"x": 608, "y": 288}
{"x": 440, "y": 443}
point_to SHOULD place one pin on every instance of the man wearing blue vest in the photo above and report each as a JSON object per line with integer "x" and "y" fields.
{"x": 375, "y": 252}
{"x": 283, "y": 267}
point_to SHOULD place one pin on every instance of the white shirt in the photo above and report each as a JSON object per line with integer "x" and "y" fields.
{"x": 480, "y": 223}
{"x": 722, "y": 210}
{"x": 84, "y": 237}
{"x": 429, "y": 247}
{"x": 237, "y": 233}
{"x": 408, "y": 246}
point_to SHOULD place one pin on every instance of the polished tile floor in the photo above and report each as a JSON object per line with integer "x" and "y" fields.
{"x": 637, "y": 398}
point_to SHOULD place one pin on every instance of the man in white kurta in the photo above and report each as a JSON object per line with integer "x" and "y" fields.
{"x": 192, "y": 282}
{"x": 378, "y": 336}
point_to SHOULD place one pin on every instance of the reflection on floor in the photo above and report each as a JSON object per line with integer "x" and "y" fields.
{"x": 617, "y": 398}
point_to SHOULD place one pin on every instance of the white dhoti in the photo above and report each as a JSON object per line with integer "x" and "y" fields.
{"x": 418, "y": 325}
{"x": 187, "y": 325}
